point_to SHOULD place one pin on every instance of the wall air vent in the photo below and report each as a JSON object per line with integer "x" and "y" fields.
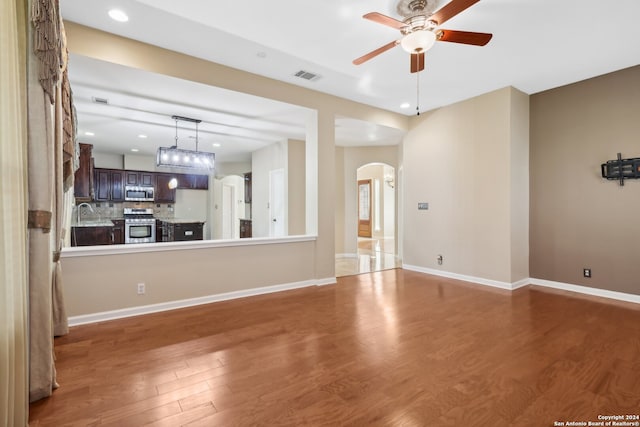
{"x": 307, "y": 75}
{"x": 97, "y": 100}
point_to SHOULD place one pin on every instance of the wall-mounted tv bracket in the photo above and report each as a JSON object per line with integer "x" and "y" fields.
{"x": 621, "y": 169}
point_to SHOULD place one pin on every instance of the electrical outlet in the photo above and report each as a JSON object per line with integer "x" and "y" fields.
{"x": 141, "y": 288}
{"x": 586, "y": 272}
{"x": 440, "y": 259}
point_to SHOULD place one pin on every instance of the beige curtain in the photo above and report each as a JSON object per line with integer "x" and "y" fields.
{"x": 13, "y": 216}
{"x": 48, "y": 113}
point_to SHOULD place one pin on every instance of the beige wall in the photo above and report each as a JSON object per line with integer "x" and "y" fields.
{"x": 296, "y": 188}
{"x": 578, "y": 219}
{"x": 104, "y": 283}
{"x": 81, "y": 275}
{"x": 340, "y": 189}
{"x": 139, "y": 162}
{"x": 108, "y": 160}
{"x": 460, "y": 159}
{"x": 348, "y": 160}
{"x": 519, "y": 197}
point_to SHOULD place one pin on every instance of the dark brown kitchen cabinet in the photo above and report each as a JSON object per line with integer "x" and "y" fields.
{"x": 102, "y": 184}
{"x": 245, "y": 229}
{"x": 172, "y": 231}
{"x": 109, "y": 185}
{"x": 83, "y": 183}
{"x": 160, "y": 231}
{"x": 184, "y": 231}
{"x": 163, "y": 193}
{"x": 139, "y": 178}
{"x": 118, "y": 231}
{"x": 92, "y": 236}
{"x": 193, "y": 181}
{"x": 201, "y": 182}
{"x": 117, "y": 185}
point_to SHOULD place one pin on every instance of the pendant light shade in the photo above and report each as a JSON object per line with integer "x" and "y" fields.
{"x": 178, "y": 158}
{"x": 181, "y": 158}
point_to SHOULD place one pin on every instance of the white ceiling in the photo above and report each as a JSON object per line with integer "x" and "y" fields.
{"x": 537, "y": 45}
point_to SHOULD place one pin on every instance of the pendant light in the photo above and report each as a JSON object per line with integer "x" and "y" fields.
{"x": 181, "y": 158}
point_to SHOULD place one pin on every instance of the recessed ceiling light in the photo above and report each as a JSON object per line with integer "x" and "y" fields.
{"x": 405, "y": 105}
{"x": 118, "y": 15}
{"x": 135, "y": 150}
{"x": 215, "y": 144}
{"x": 89, "y": 133}
{"x": 142, "y": 136}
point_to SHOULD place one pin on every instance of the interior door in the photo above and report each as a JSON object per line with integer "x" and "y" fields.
{"x": 277, "y": 227}
{"x": 364, "y": 208}
{"x": 228, "y": 212}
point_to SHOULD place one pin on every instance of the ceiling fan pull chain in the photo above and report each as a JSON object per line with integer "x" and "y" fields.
{"x": 176, "y": 145}
{"x": 196, "y": 136}
{"x": 418, "y": 93}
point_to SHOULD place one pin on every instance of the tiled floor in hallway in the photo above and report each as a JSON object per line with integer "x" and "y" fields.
{"x": 373, "y": 255}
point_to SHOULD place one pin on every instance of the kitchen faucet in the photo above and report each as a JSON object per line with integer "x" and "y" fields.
{"x": 79, "y": 208}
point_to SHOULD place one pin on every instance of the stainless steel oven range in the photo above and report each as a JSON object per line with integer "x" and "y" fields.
{"x": 139, "y": 225}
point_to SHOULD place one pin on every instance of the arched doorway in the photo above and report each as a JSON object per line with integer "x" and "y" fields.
{"x": 374, "y": 222}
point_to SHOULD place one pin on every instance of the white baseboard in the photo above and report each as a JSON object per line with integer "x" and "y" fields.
{"x": 172, "y": 305}
{"x": 472, "y": 279}
{"x": 338, "y": 256}
{"x": 620, "y": 296}
{"x": 327, "y": 281}
{"x": 520, "y": 284}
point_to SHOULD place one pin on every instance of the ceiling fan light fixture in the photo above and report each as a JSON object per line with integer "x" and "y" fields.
{"x": 418, "y": 41}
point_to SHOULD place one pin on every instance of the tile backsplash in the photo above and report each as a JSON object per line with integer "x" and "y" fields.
{"x": 99, "y": 210}
{"x": 112, "y": 210}
{"x": 163, "y": 210}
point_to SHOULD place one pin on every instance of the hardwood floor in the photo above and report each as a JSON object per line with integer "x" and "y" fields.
{"x": 392, "y": 348}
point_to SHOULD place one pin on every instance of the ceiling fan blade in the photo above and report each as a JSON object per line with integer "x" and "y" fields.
{"x": 464, "y": 37}
{"x": 417, "y": 62}
{"x": 451, "y": 9}
{"x": 375, "y": 53}
{"x": 385, "y": 20}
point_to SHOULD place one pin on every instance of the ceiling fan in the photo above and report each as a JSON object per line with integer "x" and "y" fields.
{"x": 421, "y": 29}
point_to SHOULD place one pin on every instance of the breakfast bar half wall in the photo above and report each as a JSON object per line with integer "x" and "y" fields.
{"x": 103, "y": 283}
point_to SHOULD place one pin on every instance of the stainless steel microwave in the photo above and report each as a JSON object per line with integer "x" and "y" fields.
{"x": 138, "y": 194}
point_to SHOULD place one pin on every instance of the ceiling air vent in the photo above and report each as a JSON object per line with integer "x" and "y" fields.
{"x": 97, "y": 100}
{"x": 307, "y": 75}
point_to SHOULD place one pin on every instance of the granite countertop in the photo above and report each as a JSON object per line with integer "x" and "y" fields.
{"x": 181, "y": 220}
{"x": 93, "y": 223}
